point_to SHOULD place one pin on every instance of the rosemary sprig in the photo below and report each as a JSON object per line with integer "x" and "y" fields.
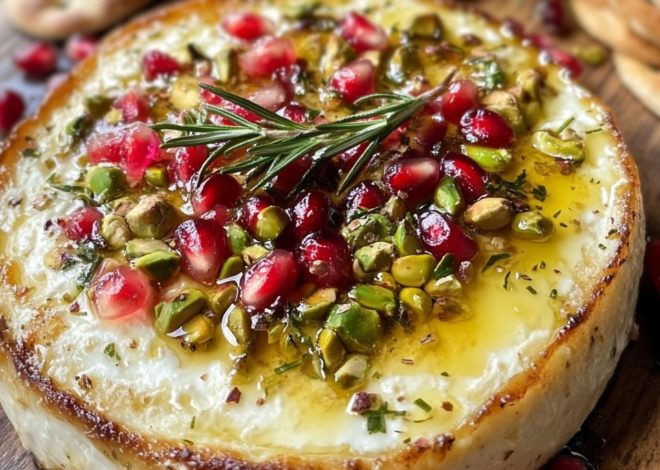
{"x": 275, "y": 142}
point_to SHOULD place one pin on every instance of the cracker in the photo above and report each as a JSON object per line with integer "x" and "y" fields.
{"x": 642, "y": 80}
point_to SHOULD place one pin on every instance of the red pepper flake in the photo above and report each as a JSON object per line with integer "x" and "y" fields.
{"x": 428, "y": 339}
{"x": 400, "y": 398}
{"x": 22, "y": 292}
{"x": 74, "y": 308}
{"x": 204, "y": 377}
{"x": 409, "y": 362}
{"x": 234, "y": 396}
{"x": 15, "y": 201}
{"x": 260, "y": 401}
{"x": 84, "y": 382}
{"x": 363, "y": 401}
{"x": 447, "y": 406}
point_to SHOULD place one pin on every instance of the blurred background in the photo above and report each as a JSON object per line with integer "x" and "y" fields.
{"x": 611, "y": 46}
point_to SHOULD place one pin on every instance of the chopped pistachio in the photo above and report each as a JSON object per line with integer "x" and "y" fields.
{"x": 360, "y": 329}
{"x": 315, "y": 306}
{"x": 375, "y": 257}
{"x": 353, "y": 373}
{"x": 427, "y": 26}
{"x": 288, "y": 345}
{"x": 223, "y": 298}
{"x": 376, "y": 298}
{"x": 159, "y": 265}
{"x": 367, "y": 230}
{"x": 413, "y": 270}
{"x": 396, "y": 208}
{"x": 382, "y": 279}
{"x": 491, "y": 213}
{"x": 115, "y": 231}
{"x": 123, "y": 205}
{"x": 405, "y": 239}
{"x": 139, "y": 247}
{"x": 105, "y": 181}
{"x": 532, "y": 226}
{"x": 252, "y": 253}
{"x": 185, "y": 93}
{"x": 237, "y": 239}
{"x": 402, "y": 62}
{"x": 331, "y": 348}
{"x": 446, "y": 286}
{"x": 416, "y": 301}
{"x": 233, "y": 266}
{"x": 198, "y": 330}
{"x": 506, "y": 105}
{"x": 156, "y": 176}
{"x": 225, "y": 64}
{"x": 491, "y": 160}
{"x": 271, "y": 222}
{"x": 236, "y": 327}
{"x": 172, "y": 315}
{"x": 552, "y": 146}
{"x": 153, "y": 217}
{"x": 448, "y": 198}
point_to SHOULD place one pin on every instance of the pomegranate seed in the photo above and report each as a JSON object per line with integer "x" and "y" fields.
{"x": 456, "y": 101}
{"x": 218, "y": 215}
{"x": 325, "y": 259}
{"x": 134, "y": 106}
{"x": 430, "y": 131}
{"x": 350, "y": 157}
{"x": 295, "y": 112}
{"x": 566, "y": 60}
{"x": 122, "y": 293}
{"x": 440, "y": 236}
{"x": 247, "y": 26}
{"x": 356, "y": 80}
{"x": 83, "y": 225}
{"x": 158, "y": 64}
{"x": 416, "y": 177}
{"x": 12, "y": 107}
{"x": 396, "y": 137}
{"x": 267, "y": 55}
{"x": 471, "y": 178}
{"x": 141, "y": 147}
{"x": 486, "y": 127}
{"x": 271, "y": 97}
{"x": 36, "y": 59}
{"x": 653, "y": 262}
{"x": 511, "y": 28}
{"x": 80, "y": 47}
{"x": 187, "y": 162}
{"x": 567, "y": 462}
{"x": 215, "y": 189}
{"x": 202, "y": 245}
{"x": 252, "y": 215}
{"x": 540, "y": 40}
{"x": 270, "y": 279}
{"x": 551, "y": 14}
{"x": 290, "y": 176}
{"x": 362, "y": 34}
{"x": 366, "y": 195}
{"x": 310, "y": 213}
{"x": 105, "y": 148}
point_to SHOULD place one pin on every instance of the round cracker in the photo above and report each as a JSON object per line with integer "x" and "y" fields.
{"x": 603, "y": 23}
{"x": 643, "y": 17}
{"x": 642, "y": 80}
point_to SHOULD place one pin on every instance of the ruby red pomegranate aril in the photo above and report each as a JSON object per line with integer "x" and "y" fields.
{"x": 440, "y": 236}
{"x": 552, "y": 16}
{"x": 36, "y": 59}
{"x": 456, "y": 101}
{"x": 215, "y": 189}
{"x": 310, "y": 213}
{"x": 267, "y": 55}
{"x": 202, "y": 245}
{"x": 271, "y": 278}
{"x": 487, "y": 128}
{"x": 471, "y": 178}
{"x": 159, "y": 64}
{"x": 84, "y": 224}
{"x": 80, "y": 47}
{"x": 567, "y": 462}
{"x": 246, "y": 26}
{"x": 253, "y": 207}
{"x": 12, "y": 107}
{"x": 356, "y": 80}
{"x": 350, "y": 157}
{"x": 218, "y": 215}
{"x": 134, "y": 106}
{"x": 416, "y": 177}
{"x": 290, "y": 176}
{"x": 430, "y": 132}
{"x": 324, "y": 259}
{"x": 122, "y": 293}
{"x": 512, "y": 28}
{"x": 566, "y": 60}
{"x": 653, "y": 262}
{"x": 140, "y": 148}
{"x": 187, "y": 161}
{"x": 295, "y": 112}
{"x": 362, "y": 34}
{"x": 366, "y": 195}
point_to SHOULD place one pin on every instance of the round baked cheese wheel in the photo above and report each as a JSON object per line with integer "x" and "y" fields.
{"x": 440, "y": 276}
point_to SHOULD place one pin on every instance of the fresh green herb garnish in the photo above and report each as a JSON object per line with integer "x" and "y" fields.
{"x": 593, "y": 131}
{"x": 556, "y": 214}
{"x": 111, "y": 351}
{"x": 602, "y": 247}
{"x": 192, "y": 423}
{"x": 289, "y": 366}
{"x": 423, "y": 405}
{"x": 540, "y": 193}
{"x": 506, "y": 280}
{"x": 445, "y": 374}
{"x": 445, "y": 267}
{"x": 566, "y": 123}
{"x": 30, "y": 153}
{"x": 407, "y": 440}
{"x": 376, "y": 418}
{"x": 494, "y": 259}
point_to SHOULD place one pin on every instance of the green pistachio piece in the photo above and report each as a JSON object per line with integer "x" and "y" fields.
{"x": 427, "y": 26}
{"x": 405, "y": 239}
{"x": 237, "y": 239}
{"x": 223, "y": 298}
{"x": 271, "y": 222}
{"x": 396, "y": 208}
{"x": 376, "y": 298}
{"x": 172, "y": 315}
{"x": 546, "y": 143}
{"x": 506, "y": 105}
{"x": 448, "y": 198}
{"x": 367, "y": 230}
{"x": 353, "y": 373}
{"x": 123, "y": 205}
{"x": 105, "y": 181}
{"x": 385, "y": 280}
{"x": 185, "y": 93}
{"x": 79, "y": 127}
{"x": 97, "y": 105}
{"x": 274, "y": 332}
{"x": 252, "y": 253}
{"x": 491, "y": 213}
{"x": 375, "y": 257}
{"x": 532, "y": 226}
{"x": 198, "y": 330}
{"x": 115, "y": 232}
{"x": 416, "y": 301}
{"x": 157, "y": 176}
{"x": 288, "y": 345}
{"x": 139, "y": 247}
{"x": 413, "y": 270}
{"x": 491, "y": 160}
{"x": 153, "y": 217}
{"x": 314, "y": 307}
{"x": 360, "y": 329}
{"x": 233, "y": 266}
{"x": 226, "y": 65}
{"x": 338, "y": 53}
{"x": 444, "y": 287}
{"x": 332, "y": 349}
{"x": 403, "y": 61}
{"x": 236, "y": 327}
{"x": 160, "y": 265}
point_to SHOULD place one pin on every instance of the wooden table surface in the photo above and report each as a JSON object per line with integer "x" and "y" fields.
{"x": 624, "y": 431}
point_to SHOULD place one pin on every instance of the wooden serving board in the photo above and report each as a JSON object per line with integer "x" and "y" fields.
{"x": 624, "y": 431}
